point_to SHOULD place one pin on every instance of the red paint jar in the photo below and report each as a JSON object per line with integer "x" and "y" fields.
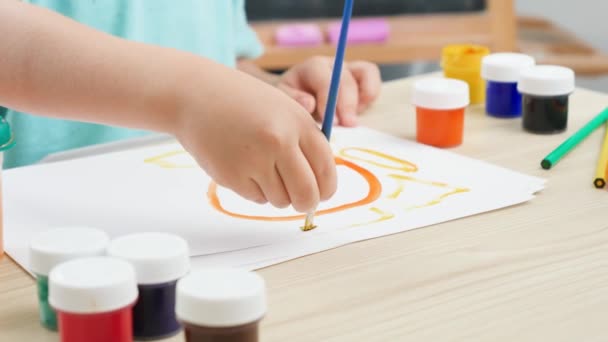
{"x": 440, "y": 107}
{"x": 221, "y": 305}
{"x": 93, "y": 298}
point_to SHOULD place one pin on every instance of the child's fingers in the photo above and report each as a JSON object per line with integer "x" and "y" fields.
{"x": 348, "y": 100}
{"x": 314, "y": 76}
{"x": 321, "y": 160}
{"x": 305, "y": 99}
{"x": 367, "y": 76}
{"x": 248, "y": 189}
{"x": 273, "y": 188}
{"x": 299, "y": 180}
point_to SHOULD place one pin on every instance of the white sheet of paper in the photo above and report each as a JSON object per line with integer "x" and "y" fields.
{"x": 395, "y": 185}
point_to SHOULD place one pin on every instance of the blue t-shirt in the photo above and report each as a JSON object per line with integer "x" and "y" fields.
{"x": 216, "y": 29}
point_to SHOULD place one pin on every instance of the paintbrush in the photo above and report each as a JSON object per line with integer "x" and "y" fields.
{"x": 330, "y": 108}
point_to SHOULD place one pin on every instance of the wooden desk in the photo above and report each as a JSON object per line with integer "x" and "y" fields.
{"x": 535, "y": 272}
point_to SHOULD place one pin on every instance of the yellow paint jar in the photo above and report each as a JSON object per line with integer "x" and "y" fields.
{"x": 463, "y": 62}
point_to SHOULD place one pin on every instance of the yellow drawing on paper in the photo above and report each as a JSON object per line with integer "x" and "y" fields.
{"x": 384, "y": 216}
{"x": 165, "y": 160}
{"x": 400, "y": 164}
{"x": 400, "y": 188}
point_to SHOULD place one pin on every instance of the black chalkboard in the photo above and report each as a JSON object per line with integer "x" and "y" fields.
{"x": 306, "y": 9}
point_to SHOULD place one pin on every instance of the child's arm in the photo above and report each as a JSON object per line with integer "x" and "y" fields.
{"x": 246, "y": 134}
{"x": 53, "y": 66}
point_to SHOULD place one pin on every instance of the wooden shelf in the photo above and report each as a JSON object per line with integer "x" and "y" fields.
{"x": 417, "y": 37}
{"x": 421, "y": 38}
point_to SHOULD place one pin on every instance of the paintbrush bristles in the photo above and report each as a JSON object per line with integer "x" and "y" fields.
{"x": 308, "y": 222}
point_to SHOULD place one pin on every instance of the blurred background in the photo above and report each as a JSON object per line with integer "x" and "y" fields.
{"x": 586, "y": 19}
{"x": 570, "y": 33}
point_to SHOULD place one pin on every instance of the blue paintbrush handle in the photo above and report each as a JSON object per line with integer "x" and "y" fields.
{"x": 330, "y": 109}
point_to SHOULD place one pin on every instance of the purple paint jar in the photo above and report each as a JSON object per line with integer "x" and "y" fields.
{"x": 159, "y": 260}
{"x": 502, "y": 72}
{"x": 221, "y": 305}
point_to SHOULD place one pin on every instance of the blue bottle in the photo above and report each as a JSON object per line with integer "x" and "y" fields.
{"x": 501, "y": 72}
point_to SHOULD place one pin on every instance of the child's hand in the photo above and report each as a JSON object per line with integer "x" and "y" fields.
{"x": 254, "y": 139}
{"x": 308, "y": 83}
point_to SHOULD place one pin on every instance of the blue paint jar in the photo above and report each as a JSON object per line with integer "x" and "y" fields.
{"x": 502, "y": 72}
{"x": 159, "y": 260}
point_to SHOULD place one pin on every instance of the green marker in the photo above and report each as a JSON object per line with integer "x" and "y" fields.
{"x": 574, "y": 140}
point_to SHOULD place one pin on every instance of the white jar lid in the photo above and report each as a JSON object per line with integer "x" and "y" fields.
{"x": 220, "y": 298}
{"x": 92, "y": 285}
{"x": 55, "y": 246}
{"x": 546, "y": 80}
{"x": 157, "y": 257}
{"x": 505, "y": 67}
{"x": 440, "y": 93}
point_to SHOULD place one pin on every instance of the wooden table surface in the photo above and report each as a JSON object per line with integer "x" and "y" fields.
{"x": 534, "y": 272}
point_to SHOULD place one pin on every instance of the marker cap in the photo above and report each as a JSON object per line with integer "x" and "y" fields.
{"x": 92, "y": 285}
{"x": 50, "y": 248}
{"x": 505, "y": 67}
{"x": 157, "y": 257}
{"x": 220, "y": 298}
{"x": 440, "y": 93}
{"x": 546, "y": 80}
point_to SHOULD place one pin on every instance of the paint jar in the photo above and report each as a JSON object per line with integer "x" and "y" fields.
{"x": 463, "y": 62}
{"x": 440, "y": 106}
{"x": 545, "y": 91}
{"x": 501, "y": 72}
{"x": 6, "y": 141}
{"x": 159, "y": 260}
{"x": 221, "y": 305}
{"x": 94, "y": 297}
{"x": 54, "y": 247}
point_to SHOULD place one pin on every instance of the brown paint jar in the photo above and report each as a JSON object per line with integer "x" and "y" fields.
{"x": 242, "y": 333}
{"x": 221, "y": 305}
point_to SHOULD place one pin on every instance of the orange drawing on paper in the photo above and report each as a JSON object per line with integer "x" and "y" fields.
{"x": 171, "y": 160}
{"x": 375, "y": 188}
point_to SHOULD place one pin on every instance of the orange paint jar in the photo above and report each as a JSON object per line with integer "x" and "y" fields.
{"x": 440, "y": 106}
